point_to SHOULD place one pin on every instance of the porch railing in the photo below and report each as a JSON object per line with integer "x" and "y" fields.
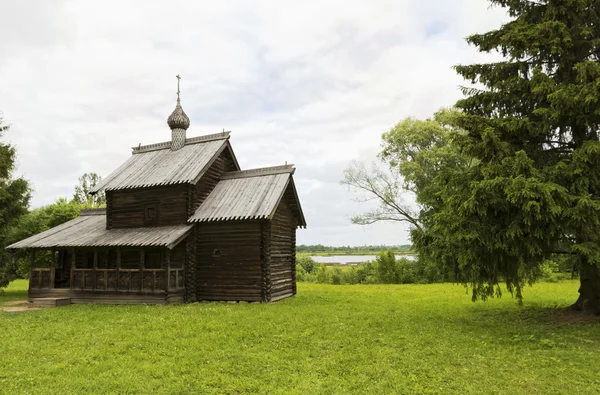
{"x": 41, "y": 278}
{"x": 126, "y": 280}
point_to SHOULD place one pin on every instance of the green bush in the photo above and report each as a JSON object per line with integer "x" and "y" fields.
{"x": 307, "y": 263}
{"x": 387, "y": 268}
{"x": 337, "y": 276}
{"x": 303, "y": 276}
{"x": 323, "y": 275}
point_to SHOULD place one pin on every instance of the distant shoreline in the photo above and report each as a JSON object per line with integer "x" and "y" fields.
{"x": 353, "y": 253}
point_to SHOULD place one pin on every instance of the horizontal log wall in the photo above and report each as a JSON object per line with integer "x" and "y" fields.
{"x": 228, "y": 261}
{"x": 283, "y": 270}
{"x": 125, "y": 208}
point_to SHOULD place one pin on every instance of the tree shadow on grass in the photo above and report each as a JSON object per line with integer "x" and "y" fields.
{"x": 532, "y": 315}
{"x": 8, "y": 295}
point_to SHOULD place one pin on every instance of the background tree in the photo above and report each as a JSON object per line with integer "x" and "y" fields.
{"x": 532, "y": 123}
{"x": 82, "y": 191}
{"x": 419, "y": 157}
{"x": 14, "y": 200}
{"x": 36, "y": 221}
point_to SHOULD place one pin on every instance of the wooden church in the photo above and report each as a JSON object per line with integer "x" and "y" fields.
{"x": 182, "y": 223}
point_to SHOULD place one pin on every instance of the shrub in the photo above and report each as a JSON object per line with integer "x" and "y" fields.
{"x": 307, "y": 263}
{"x": 323, "y": 276}
{"x": 549, "y": 271}
{"x": 337, "y": 276}
{"x": 350, "y": 275}
{"x": 387, "y": 269}
{"x": 366, "y": 273}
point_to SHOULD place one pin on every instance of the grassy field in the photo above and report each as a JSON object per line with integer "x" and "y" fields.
{"x": 328, "y": 339}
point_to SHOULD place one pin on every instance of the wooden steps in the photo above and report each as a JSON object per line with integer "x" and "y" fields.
{"x": 50, "y": 302}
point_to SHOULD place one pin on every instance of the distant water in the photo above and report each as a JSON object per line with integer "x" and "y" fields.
{"x": 346, "y": 259}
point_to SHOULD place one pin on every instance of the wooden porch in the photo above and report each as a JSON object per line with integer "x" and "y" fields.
{"x": 112, "y": 285}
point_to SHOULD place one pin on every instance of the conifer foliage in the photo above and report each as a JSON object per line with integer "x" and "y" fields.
{"x": 532, "y": 123}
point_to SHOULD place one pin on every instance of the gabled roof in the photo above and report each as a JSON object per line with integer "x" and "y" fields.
{"x": 249, "y": 194}
{"x": 157, "y": 164}
{"x": 89, "y": 230}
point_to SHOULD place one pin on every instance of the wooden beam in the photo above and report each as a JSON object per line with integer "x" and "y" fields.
{"x": 142, "y": 266}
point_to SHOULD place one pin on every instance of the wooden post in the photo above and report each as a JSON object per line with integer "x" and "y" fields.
{"x": 142, "y": 267}
{"x": 30, "y": 276}
{"x": 118, "y": 268}
{"x": 53, "y": 268}
{"x": 32, "y": 265}
{"x": 105, "y": 264}
{"x": 94, "y": 269}
{"x": 168, "y": 279}
{"x": 73, "y": 262}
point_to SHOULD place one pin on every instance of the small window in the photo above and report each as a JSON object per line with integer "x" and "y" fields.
{"x": 150, "y": 214}
{"x": 216, "y": 253}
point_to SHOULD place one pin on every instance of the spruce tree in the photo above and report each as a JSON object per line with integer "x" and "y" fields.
{"x": 532, "y": 123}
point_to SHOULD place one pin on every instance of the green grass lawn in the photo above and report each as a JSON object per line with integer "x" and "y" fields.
{"x": 328, "y": 339}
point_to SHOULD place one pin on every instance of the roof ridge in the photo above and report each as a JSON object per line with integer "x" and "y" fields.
{"x": 92, "y": 211}
{"x": 192, "y": 140}
{"x": 258, "y": 172}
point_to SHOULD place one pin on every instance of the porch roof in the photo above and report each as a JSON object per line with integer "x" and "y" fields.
{"x": 89, "y": 230}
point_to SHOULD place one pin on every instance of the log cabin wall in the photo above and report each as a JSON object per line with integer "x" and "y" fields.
{"x": 228, "y": 260}
{"x": 127, "y": 208}
{"x": 191, "y": 269}
{"x": 282, "y": 252}
{"x": 209, "y": 180}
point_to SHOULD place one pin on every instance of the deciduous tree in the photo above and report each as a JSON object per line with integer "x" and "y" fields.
{"x": 82, "y": 191}
{"x": 418, "y": 159}
{"x": 15, "y": 194}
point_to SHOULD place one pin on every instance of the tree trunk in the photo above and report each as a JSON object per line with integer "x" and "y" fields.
{"x": 589, "y": 288}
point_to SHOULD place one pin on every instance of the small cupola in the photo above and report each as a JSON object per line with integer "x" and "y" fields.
{"x": 179, "y": 122}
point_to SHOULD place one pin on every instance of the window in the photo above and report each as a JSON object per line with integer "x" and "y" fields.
{"x": 150, "y": 214}
{"x": 216, "y": 253}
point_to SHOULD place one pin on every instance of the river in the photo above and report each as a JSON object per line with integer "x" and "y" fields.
{"x": 348, "y": 259}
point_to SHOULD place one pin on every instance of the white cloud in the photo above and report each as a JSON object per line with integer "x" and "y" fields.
{"x": 312, "y": 83}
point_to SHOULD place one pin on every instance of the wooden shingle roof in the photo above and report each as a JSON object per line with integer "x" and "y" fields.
{"x": 89, "y": 230}
{"x": 249, "y": 194}
{"x": 157, "y": 164}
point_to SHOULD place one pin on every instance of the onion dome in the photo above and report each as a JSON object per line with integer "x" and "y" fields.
{"x": 178, "y": 118}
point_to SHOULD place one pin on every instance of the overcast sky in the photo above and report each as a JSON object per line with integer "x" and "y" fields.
{"x": 311, "y": 83}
